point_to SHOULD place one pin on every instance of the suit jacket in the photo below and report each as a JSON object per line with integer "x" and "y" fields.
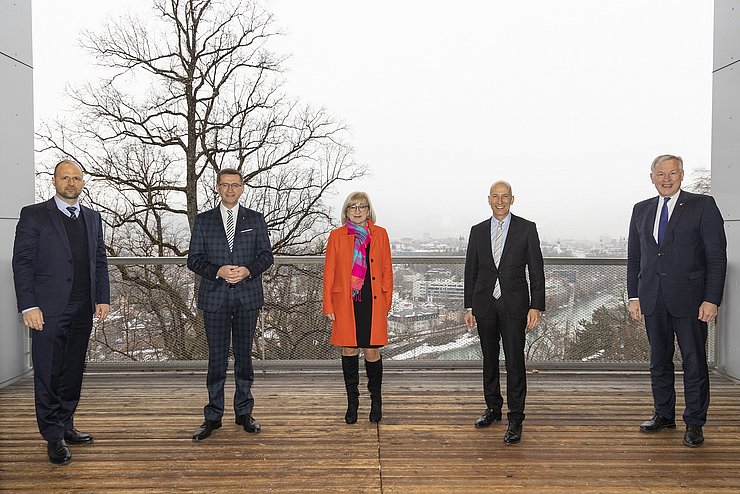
{"x": 209, "y": 250}
{"x": 42, "y": 259}
{"x": 337, "y": 292}
{"x": 521, "y": 250}
{"x": 691, "y": 264}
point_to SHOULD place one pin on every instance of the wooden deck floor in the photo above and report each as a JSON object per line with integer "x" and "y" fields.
{"x": 581, "y": 435}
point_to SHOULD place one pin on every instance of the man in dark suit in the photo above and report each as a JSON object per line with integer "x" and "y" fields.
{"x": 498, "y": 299}
{"x": 229, "y": 249}
{"x": 676, "y": 264}
{"x": 60, "y": 271}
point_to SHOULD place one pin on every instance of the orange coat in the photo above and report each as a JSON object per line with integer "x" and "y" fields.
{"x": 337, "y": 297}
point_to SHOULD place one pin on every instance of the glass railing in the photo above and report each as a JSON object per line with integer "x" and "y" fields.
{"x": 154, "y": 319}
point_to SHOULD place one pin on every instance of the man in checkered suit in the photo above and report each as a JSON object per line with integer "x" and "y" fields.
{"x": 229, "y": 249}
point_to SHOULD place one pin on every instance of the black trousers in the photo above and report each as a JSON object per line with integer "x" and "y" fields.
{"x": 691, "y": 334}
{"x": 497, "y": 326}
{"x": 232, "y": 324}
{"x": 58, "y": 353}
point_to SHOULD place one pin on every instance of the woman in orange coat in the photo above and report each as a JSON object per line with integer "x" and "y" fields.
{"x": 358, "y": 291}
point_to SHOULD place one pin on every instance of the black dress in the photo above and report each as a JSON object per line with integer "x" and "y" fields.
{"x": 364, "y": 309}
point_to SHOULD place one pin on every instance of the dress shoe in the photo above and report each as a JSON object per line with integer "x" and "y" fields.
{"x": 58, "y": 452}
{"x": 657, "y": 424}
{"x": 73, "y": 436}
{"x": 513, "y": 433}
{"x": 693, "y": 437}
{"x": 489, "y": 416}
{"x": 205, "y": 429}
{"x": 250, "y": 423}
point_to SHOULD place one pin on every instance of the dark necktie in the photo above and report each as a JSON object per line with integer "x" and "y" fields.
{"x": 663, "y": 222}
{"x": 72, "y": 212}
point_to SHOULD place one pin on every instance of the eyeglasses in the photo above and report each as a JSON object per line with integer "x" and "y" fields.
{"x": 672, "y": 174}
{"x": 236, "y": 185}
{"x": 358, "y": 207}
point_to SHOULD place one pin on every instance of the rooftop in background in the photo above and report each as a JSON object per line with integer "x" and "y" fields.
{"x": 603, "y": 246}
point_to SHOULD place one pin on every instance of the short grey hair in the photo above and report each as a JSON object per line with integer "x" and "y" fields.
{"x": 666, "y": 157}
{"x": 355, "y": 197}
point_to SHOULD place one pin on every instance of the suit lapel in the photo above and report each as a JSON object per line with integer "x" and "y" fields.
{"x": 675, "y": 217}
{"x": 217, "y": 225}
{"x": 488, "y": 250}
{"x": 648, "y": 224}
{"x": 510, "y": 235}
{"x": 89, "y": 226}
{"x": 241, "y": 223}
{"x": 56, "y": 220}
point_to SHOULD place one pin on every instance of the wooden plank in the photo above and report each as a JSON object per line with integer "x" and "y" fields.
{"x": 580, "y": 436}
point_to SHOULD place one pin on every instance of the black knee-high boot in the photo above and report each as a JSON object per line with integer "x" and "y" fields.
{"x": 374, "y": 382}
{"x": 350, "y": 368}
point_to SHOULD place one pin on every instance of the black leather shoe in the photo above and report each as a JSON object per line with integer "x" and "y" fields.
{"x": 58, "y": 452}
{"x": 205, "y": 429}
{"x": 73, "y": 436}
{"x": 250, "y": 423}
{"x": 513, "y": 433}
{"x": 693, "y": 437}
{"x": 489, "y": 416}
{"x": 657, "y": 424}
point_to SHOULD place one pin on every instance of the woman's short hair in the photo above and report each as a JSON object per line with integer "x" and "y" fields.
{"x": 356, "y": 197}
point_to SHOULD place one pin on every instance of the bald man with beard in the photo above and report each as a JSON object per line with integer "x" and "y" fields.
{"x": 60, "y": 271}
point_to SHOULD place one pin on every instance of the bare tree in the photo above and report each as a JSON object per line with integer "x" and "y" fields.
{"x": 611, "y": 335}
{"x": 700, "y": 181}
{"x": 186, "y": 92}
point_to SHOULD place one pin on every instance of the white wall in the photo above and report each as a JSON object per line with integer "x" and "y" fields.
{"x": 726, "y": 172}
{"x": 16, "y": 160}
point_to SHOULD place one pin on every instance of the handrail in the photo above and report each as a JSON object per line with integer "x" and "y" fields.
{"x": 397, "y": 259}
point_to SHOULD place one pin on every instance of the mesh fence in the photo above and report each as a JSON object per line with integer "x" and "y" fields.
{"x": 154, "y": 319}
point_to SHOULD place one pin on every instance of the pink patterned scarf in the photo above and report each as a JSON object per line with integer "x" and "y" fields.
{"x": 359, "y": 260}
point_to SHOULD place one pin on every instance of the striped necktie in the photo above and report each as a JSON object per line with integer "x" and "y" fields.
{"x": 230, "y": 228}
{"x": 72, "y": 212}
{"x": 498, "y": 247}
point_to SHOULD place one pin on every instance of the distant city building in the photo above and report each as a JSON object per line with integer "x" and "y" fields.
{"x": 436, "y": 289}
{"x": 407, "y": 318}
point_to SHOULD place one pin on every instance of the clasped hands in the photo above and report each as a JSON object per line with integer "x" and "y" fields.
{"x": 232, "y": 274}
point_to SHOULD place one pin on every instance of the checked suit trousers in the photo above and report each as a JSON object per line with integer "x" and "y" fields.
{"x": 231, "y": 324}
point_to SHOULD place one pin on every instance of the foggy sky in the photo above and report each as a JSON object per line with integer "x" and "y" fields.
{"x": 568, "y": 101}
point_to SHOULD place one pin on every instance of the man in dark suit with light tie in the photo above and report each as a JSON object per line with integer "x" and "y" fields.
{"x": 498, "y": 299}
{"x": 676, "y": 264}
{"x": 229, "y": 249}
{"x": 60, "y": 271}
